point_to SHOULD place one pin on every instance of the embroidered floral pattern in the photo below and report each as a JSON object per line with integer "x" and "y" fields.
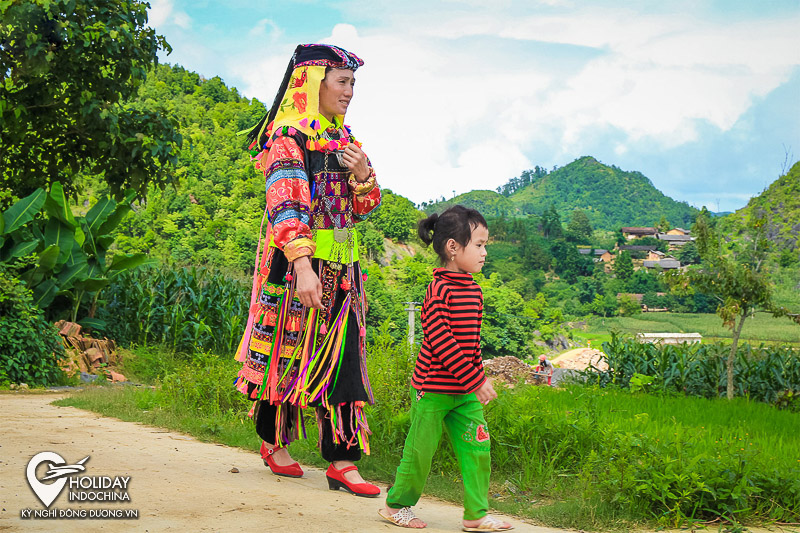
{"x": 292, "y": 212}
{"x": 300, "y": 101}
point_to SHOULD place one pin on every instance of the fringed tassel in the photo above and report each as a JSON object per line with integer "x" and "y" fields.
{"x": 336, "y": 424}
{"x": 362, "y": 427}
{"x": 338, "y": 363}
{"x": 301, "y": 350}
{"x": 360, "y": 312}
{"x": 315, "y": 363}
{"x": 357, "y": 425}
{"x": 328, "y": 357}
{"x": 270, "y": 382}
{"x": 261, "y": 259}
{"x": 279, "y": 424}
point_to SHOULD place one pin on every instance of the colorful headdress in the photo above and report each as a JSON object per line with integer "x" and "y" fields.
{"x": 296, "y": 106}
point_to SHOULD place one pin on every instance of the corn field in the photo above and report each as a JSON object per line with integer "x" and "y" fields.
{"x": 763, "y": 373}
{"x": 184, "y": 309}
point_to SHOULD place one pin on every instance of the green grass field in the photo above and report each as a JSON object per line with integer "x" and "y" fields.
{"x": 761, "y": 328}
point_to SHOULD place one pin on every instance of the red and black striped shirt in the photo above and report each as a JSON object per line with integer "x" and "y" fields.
{"x": 449, "y": 361}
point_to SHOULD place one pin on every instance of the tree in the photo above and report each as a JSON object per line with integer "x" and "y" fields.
{"x": 505, "y": 329}
{"x": 396, "y": 217}
{"x": 788, "y": 258}
{"x": 734, "y": 276}
{"x": 371, "y": 240}
{"x": 663, "y": 225}
{"x": 579, "y": 227}
{"x": 551, "y": 223}
{"x": 604, "y": 305}
{"x": 688, "y": 254}
{"x": 628, "y": 305}
{"x": 623, "y": 266}
{"x": 569, "y": 263}
{"x": 69, "y": 255}
{"x": 69, "y": 67}
{"x": 643, "y": 281}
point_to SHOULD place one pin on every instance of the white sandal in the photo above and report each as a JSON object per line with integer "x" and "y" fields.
{"x": 489, "y": 523}
{"x": 401, "y": 518}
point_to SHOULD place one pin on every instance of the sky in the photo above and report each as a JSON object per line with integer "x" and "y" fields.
{"x": 701, "y": 96}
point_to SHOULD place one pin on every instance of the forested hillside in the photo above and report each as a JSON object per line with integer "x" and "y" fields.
{"x": 780, "y": 204}
{"x": 211, "y": 216}
{"x": 610, "y": 197}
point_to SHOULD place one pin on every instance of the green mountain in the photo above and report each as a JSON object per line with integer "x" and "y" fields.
{"x": 780, "y": 202}
{"x": 489, "y": 203}
{"x": 611, "y": 197}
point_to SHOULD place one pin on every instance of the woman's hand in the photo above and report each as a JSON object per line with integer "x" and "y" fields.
{"x": 307, "y": 287}
{"x": 356, "y": 162}
{"x": 485, "y": 393}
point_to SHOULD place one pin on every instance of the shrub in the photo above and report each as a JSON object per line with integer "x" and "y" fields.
{"x": 30, "y": 347}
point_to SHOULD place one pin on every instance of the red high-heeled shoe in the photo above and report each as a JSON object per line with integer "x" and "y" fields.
{"x": 336, "y": 481}
{"x": 292, "y": 470}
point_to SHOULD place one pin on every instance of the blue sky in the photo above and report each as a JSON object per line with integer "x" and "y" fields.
{"x": 702, "y": 97}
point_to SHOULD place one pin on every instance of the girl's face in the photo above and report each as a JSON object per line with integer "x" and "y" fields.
{"x": 469, "y": 258}
{"x": 335, "y": 92}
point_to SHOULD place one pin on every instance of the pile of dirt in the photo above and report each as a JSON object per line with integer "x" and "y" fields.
{"x": 88, "y": 355}
{"x": 581, "y": 359}
{"x": 512, "y": 370}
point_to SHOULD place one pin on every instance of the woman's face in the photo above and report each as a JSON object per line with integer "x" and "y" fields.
{"x": 335, "y": 92}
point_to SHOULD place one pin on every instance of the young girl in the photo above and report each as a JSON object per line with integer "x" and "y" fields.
{"x": 449, "y": 385}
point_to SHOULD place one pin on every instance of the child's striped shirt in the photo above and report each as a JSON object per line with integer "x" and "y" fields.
{"x": 450, "y": 361}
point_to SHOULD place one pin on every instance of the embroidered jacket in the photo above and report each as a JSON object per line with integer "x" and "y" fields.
{"x": 291, "y": 175}
{"x": 449, "y": 360}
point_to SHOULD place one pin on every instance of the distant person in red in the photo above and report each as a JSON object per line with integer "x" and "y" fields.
{"x": 545, "y": 367}
{"x": 449, "y": 387}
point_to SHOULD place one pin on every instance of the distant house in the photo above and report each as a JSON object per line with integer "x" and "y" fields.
{"x": 633, "y": 295}
{"x": 678, "y": 231}
{"x": 665, "y": 264}
{"x": 669, "y": 338}
{"x": 674, "y": 242}
{"x": 598, "y": 253}
{"x": 636, "y": 251}
{"x": 638, "y": 232}
{"x": 607, "y": 257}
{"x": 637, "y": 247}
{"x": 655, "y": 255}
{"x": 587, "y": 251}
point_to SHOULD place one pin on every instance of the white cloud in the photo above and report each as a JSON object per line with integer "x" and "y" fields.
{"x": 159, "y": 12}
{"x": 163, "y": 13}
{"x": 463, "y": 96}
{"x": 265, "y": 28}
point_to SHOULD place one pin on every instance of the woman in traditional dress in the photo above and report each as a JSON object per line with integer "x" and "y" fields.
{"x": 304, "y": 345}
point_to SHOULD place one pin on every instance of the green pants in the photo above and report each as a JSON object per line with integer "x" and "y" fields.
{"x": 462, "y": 415}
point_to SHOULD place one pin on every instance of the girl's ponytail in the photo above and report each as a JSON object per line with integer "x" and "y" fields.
{"x": 455, "y": 223}
{"x": 425, "y": 228}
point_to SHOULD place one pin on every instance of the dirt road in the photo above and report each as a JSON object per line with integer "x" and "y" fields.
{"x": 176, "y": 482}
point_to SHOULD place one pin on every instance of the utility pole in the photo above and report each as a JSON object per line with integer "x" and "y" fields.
{"x": 412, "y": 310}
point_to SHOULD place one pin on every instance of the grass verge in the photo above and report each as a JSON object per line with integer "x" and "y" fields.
{"x": 579, "y": 457}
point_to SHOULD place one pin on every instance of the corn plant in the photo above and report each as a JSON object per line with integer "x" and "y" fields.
{"x": 762, "y": 373}
{"x": 187, "y": 309}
